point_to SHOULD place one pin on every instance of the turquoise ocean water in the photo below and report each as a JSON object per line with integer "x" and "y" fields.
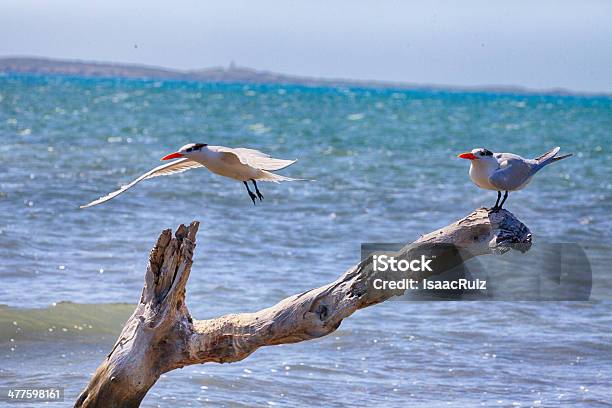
{"x": 386, "y": 171}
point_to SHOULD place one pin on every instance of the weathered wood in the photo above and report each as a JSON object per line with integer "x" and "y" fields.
{"x": 161, "y": 336}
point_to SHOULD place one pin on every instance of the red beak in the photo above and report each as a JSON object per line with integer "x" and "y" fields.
{"x": 468, "y": 156}
{"x": 175, "y": 155}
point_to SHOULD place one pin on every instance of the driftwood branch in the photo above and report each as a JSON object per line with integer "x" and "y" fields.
{"x": 161, "y": 336}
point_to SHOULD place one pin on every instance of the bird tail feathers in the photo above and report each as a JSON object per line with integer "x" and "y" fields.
{"x": 551, "y": 153}
{"x": 551, "y": 157}
{"x": 277, "y": 178}
{"x": 557, "y": 158}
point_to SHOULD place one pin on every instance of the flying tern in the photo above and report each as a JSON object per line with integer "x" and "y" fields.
{"x": 236, "y": 163}
{"x": 506, "y": 171}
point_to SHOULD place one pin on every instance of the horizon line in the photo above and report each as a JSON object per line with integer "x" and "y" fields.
{"x": 268, "y": 77}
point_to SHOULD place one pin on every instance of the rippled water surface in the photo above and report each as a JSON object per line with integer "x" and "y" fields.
{"x": 386, "y": 171}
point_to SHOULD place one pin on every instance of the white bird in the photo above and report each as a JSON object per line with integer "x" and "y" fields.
{"x": 236, "y": 163}
{"x": 506, "y": 171}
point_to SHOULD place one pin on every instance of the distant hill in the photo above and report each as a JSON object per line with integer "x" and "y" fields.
{"x": 231, "y": 74}
{"x": 81, "y": 68}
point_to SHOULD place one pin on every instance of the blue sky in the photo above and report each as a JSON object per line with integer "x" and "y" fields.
{"x": 537, "y": 44}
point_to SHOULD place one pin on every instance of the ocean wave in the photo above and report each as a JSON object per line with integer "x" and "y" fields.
{"x": 62, "y": 320}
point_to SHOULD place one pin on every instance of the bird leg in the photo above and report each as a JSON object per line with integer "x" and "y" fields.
{"x": 253, "y": 196}
{"x": 257, "y": 190}
{"x": 496, "y": 207}
{"x": 504, "y": 200}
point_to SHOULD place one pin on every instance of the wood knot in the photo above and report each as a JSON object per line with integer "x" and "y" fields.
{"x": 322, "y": 312}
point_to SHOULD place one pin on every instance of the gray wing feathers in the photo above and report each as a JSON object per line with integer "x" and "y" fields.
{"x": 276, "y": 178}
{"x": 255, "y": 158}
{"x": 177, "y": 166}
{"x": 512, "y": 174}
{"x": 515, "y": 172}
{"x": 268, "y": 163}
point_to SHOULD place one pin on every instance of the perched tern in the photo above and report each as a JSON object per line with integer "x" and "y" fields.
{"x": 506, "y": 171}
{"x": 236, "y": 163}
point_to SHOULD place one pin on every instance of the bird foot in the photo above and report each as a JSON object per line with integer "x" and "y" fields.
{"x": 253, "y": 198}
{"x": 494, "y": 209}
{"x": 260, "y": 195}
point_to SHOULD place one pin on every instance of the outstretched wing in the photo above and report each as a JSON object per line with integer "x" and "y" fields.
{"x": 254, "y": 158}
{"x": 177, "y": 166}
{"x": 512, "y": 174}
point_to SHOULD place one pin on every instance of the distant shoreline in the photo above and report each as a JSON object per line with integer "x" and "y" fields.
{"x": 238, "y": 74}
